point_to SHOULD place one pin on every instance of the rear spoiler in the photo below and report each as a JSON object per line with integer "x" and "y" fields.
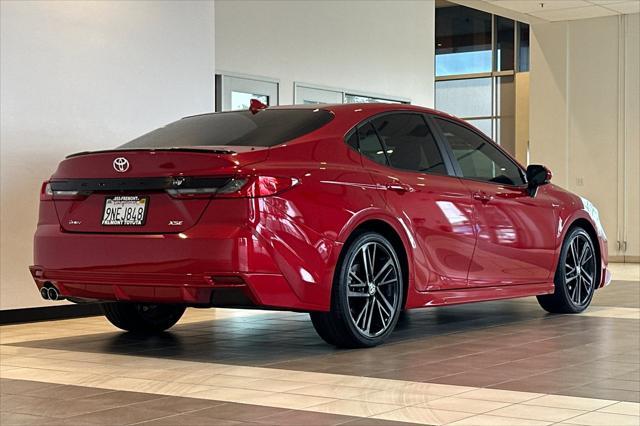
{"x": 203, "y": 150}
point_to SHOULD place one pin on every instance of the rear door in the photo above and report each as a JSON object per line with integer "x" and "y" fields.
{"x": 422, "y": 193}
{"x": 516, "y": 233}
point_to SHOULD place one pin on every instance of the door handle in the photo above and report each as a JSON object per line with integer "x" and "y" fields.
{"x": 399, "y": 187}
{"x": 482, "y": 196}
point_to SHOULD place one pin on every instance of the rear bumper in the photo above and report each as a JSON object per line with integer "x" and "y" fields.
{"x": 270, "y": 262}
{"x": 216, "y": 289}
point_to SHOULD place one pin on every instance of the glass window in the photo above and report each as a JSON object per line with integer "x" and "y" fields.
{"x": 505, "y": 38}
{"x": 409, "y": 143}
{"x": 463, "y": 41}
{"x": 240, "y": 128}
{"x": 358, "y": 99}
{"x": 478, "y": 158}
{"x": 464, "y": 98}
{"x": 352, "y": 140}
{"x": 234, "y": 93}
{"x": 313, "y": 95}
{"x": 483, "y": 124}
{"x": 523, "y": 47}
{"x": 370, "y": 145}
{"x": 241, "y": 100}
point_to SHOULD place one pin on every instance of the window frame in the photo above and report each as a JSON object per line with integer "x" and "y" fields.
{"x": 456, "y": 165}
{"x": 442, "y": 148}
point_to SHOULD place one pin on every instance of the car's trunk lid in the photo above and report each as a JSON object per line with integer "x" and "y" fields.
{"x": 142, "y": 177}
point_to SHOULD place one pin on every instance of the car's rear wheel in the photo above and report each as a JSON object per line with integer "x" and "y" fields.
{"x": 576, "y": 275}
{"x": 366, "y": 295}
{"x": 142, "y": 317}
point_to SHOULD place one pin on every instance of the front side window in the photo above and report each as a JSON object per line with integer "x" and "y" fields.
{"x": 409, "y": 143}
{"x": 478, "y": 158}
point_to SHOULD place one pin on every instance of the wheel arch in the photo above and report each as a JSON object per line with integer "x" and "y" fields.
{"x": 387, "y": 230}
{"x": 593, "y": 234}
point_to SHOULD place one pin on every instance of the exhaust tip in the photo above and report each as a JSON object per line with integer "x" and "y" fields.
{"x": 53, "y": 294}
{"x": 44, "y": 292}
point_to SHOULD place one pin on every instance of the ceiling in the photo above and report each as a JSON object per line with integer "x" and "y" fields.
{"x": 566, "y": 10}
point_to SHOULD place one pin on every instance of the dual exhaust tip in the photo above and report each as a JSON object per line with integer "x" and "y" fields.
{"x": 50, "y": 293}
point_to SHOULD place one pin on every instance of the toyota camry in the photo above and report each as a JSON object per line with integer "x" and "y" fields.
{"x": 352, "y": 213}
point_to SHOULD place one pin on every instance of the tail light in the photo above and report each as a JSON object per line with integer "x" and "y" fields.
{"x": 240, "y": 187}
{"x": 47, "y": 193}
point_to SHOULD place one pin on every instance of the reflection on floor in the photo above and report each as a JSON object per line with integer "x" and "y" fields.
{"x": 483, "y": 364}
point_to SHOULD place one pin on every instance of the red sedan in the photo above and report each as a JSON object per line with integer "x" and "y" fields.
{"x": 350, "y": 212}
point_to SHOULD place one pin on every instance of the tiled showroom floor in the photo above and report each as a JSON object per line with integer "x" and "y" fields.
{"x": 494, "y": 363}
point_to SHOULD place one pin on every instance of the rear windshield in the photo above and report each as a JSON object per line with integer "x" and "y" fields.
{"x": 241, "y": 128}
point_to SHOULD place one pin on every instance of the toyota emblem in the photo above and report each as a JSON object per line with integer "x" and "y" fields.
{"x": 121, "y": 164}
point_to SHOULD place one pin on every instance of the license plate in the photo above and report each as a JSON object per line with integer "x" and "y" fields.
{"x": 129, "y": 210}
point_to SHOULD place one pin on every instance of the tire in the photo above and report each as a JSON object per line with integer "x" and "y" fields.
{"x": 366, "y": 296}
{"x": 142, "y": 317}
{"x": 574, "y": 286}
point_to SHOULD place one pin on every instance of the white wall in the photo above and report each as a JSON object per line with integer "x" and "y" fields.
{"x": 584, "y": 110}
{"x": 384, "y": 47}
{"x": 87, "y": 75}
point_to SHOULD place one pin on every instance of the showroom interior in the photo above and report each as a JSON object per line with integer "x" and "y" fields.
{"x": 554, "y": 82}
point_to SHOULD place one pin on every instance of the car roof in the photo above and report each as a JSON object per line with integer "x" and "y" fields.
{"x": 372, "y": 108}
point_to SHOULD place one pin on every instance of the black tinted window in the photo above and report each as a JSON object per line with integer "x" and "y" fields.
{"x": 409, "y": 143}
{"x": 370, "y": 144}
{"x": 352, "y": 140}
{"x": 241, "y": 128}
{"x": 478, "y": 158}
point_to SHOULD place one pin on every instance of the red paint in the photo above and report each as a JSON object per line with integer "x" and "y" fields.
{"x": 281, "y": 247}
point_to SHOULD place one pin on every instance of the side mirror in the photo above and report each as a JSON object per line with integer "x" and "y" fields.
{"x": 537, "y": 175}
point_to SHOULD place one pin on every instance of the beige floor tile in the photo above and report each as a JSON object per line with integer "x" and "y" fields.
{"x": 550, "y": 414}
{"x": 332, "y": 391}
{"x": 625, "y": 271}
{"x": 289, "y": 401}
{"x": 353, "y": 408}
{"x": 274, "y": 385}
{"x": 222, "y": 380}
{"x": 628, "y": 408}
{"x": 370, "y": 383}
{"x": 489, "y": 420}
{"x": 422, "y": 415}
{"x": 399, "y": 397}
{"x": 571, "y": 402}
{"x": 433, "y": 388}
{"x": 596, "y": 418}
{"x": 169, "y": 375}
{"x": 499, "y": 395}
{"x": 255, "y": 372}
{"x": 621, "y": 313}
{"x": 314, "y": 378}
{"x": 229, "y": 394}
{"x": 151, "y": 386}
{"x": 48, "y": 376}
{"x": 465, "y": 405}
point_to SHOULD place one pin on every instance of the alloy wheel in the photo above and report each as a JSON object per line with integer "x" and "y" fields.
{"x": 580, "y": 270}
{"x": 373, "y": 289}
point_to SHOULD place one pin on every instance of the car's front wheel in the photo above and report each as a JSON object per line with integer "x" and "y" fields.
{"x": 142, "y": 317}
{"x": 576, "y": 276}
{"x": 366, "y": 296}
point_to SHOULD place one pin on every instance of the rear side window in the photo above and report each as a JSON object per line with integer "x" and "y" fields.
{"x": 479, "y": 159}
{"x": 409, "y": 143}
{"x": 370, "y": 144}
{"x": 241, "y": 128}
